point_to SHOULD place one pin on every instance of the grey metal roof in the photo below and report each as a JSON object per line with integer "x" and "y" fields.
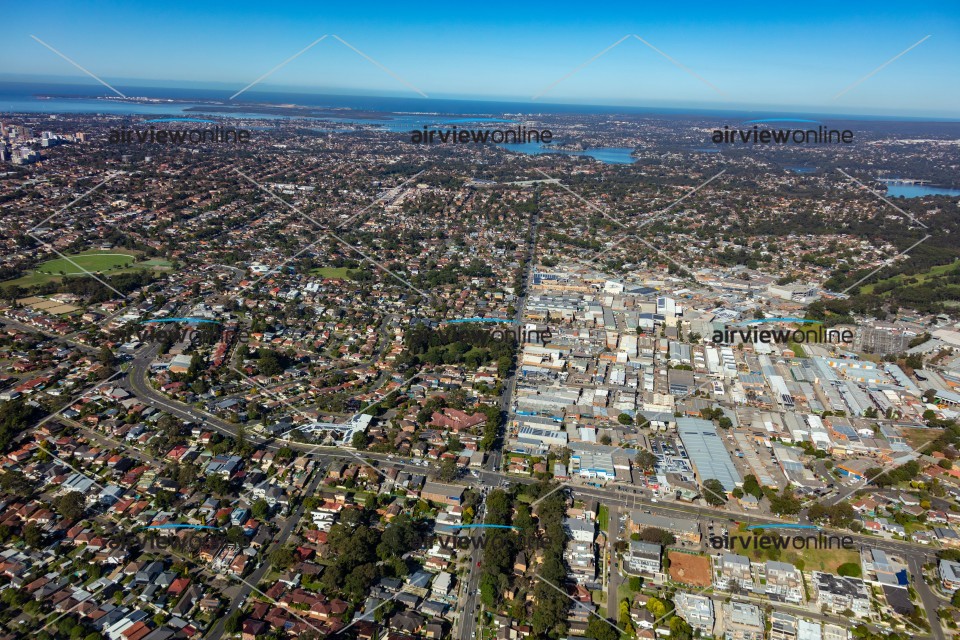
{"x": 707, "y": 452}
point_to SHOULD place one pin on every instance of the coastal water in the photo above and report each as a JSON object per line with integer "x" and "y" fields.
{"x": 186, "y": 111}
{"x": 607, "y": 155}
{"x": 17, "y": 99}
{"x": 174, "y": 111}
{"x": 405, "y": 123}
{"x": 23, "y": 97}
{"x": 344, "y": 114}
{"x": 918, "y": 191}
{"x": 181, "y": 120}
{"x": 49, "y": 96}
{"x": 16, "y": 103}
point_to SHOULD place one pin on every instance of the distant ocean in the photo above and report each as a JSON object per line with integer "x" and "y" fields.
{"x": 22, "y": 97}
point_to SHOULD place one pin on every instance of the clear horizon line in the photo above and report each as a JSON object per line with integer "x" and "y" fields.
{"x": 686, "y": 106}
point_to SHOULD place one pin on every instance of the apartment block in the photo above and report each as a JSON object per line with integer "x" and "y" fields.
{"x": 839, "y": 593}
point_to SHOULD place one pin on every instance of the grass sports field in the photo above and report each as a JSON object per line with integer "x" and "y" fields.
{"x": 110, "y": 262}
{"x": 922, "y": 277}
{"x": 330, "y": 272}
{"x": 95, "y": 262}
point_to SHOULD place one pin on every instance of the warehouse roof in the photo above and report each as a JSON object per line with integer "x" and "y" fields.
{"x": 707, "y": 452}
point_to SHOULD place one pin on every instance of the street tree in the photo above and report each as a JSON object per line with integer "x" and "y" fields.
{"x": 646, "y": 460}
{"x": 714, "y": 493}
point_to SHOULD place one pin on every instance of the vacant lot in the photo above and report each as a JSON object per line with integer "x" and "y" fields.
{"x": 821, "y": 559}
{"x": 920, "y": 438}
{"x": 49, "y": 306}
{"x": 689, "y": 569}
{"x": 806, "y": 559}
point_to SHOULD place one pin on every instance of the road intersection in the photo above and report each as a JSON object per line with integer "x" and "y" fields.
{"x": 615, "y": 497}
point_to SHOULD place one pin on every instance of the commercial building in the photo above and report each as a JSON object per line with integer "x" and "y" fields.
{"x": 180, "y": 364}
{"x": 541, "y": 438}
{"x": 442, "y": 493}
{"x": 341, "y": 432}
{"x": 707, "y": 452}
{"x": 683, "y": 529}
{"x": 680, "y": 382}
{"x": 590, "y": 464}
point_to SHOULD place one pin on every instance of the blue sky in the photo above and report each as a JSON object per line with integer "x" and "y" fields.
{"x": 759, "y": 54}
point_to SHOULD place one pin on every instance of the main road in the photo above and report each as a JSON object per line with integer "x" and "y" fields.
{"x": 613, "y": 571}
{"x": 915, "y": 554}
{"x": 495, "y": 459}
{"x": 468, "y": 601}
{"x": 137, "y": 383}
